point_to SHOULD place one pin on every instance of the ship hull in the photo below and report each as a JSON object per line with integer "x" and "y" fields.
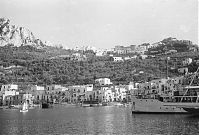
{"x": 154, "y": 106}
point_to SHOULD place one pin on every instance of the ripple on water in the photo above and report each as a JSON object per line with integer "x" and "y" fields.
{"x": 99, "y": 120}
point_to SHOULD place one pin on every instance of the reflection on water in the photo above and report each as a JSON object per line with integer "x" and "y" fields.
{"x": 96, "y": 120}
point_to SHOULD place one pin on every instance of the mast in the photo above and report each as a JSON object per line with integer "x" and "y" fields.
{"x": 167, "y": 74}
{"x": 190, "y": 84}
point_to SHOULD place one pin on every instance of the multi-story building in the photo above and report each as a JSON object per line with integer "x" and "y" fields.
{"x": 21, "y": 98}
{"x": 103, "y": 94}
{"x": 8, "y": 91}
{"x": 57, "y": 93}
{"x": 54, "y": 89}
{"x": 80, "y": 93}
{"x": 39, "y": 93}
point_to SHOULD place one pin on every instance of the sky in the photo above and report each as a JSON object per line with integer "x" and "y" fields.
{"x": 104, "y": 23}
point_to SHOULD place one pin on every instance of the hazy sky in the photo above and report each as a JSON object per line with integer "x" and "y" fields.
{"x": 104, "y": 23}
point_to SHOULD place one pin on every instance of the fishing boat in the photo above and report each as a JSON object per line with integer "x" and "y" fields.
{"x": 154, "y": 102}
{"x": 90, "y": 104}
{"x": 24, "y": 107}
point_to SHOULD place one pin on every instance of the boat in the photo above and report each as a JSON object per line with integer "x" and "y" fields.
{"x": 45, "y": 105}
{"x": 24, "y": 107}
{"x": 91, "y": 104}
{"x": 104, "y": 103}
{"x": 184, "y": 103}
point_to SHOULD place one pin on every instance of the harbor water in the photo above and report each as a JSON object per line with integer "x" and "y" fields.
{"x": 94, "y": 120}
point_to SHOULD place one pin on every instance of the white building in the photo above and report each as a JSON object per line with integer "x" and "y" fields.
{"x": 8, "y": 90}
{"x": 117, "y": 59}
{"x": 38, "y": 92}
{"x": 80, "y": 93}
{"x": 143, "y": 56}
{"x": 183, "y": 70}
{"x": 103, "y": 81}
{"x": 120, "y": 93}
{"x": 103, "y": 94}
{"x": 187, "y": 61}
{"x": 54, "y": 89}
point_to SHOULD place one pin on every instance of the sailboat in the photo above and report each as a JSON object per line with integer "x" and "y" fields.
{"x": 24, "y": 107}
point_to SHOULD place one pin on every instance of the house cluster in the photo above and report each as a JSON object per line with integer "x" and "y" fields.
{"x": 73, "y": 57}
{"x": 11, "y": 94}
{"x": 181, "y": 64}
{"x": 130, "y": 49}
{"x": 103, "y": 91}
{"x": 163, "y": 87}
{"x": 120, "y": 58}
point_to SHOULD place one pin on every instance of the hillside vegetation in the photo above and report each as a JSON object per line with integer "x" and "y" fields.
{"x": 35, "y": 66}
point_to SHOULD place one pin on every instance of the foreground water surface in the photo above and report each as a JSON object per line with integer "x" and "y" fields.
{"x": 94, "y": 120}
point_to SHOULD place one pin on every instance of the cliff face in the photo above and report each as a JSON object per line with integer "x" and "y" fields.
{"x": 17, "y": 36}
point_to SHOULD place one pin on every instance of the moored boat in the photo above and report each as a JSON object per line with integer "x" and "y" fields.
{"x": 24, "y": 107}
{"x": 167, "y": 101}
{"x": 46, "y": 105}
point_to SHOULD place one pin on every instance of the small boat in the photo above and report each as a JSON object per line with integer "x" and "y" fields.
{"x": 104, "y": 103}
{"x": 46, "y": 105}
{"x": 90, "y": 104}
{"x": 24, "y": 107}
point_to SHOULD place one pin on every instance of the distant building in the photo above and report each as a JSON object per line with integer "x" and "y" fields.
{"x": 80, "y": 93}
{"x": 143, "y": 56}
{"x": 127, "y": 58}
{"x": 78, "y": 57}
{"x": 54, "y": 89}
{"x": 103, "y": 81}
{"x": 120, "y": 93}
{"x": 117, "y": 59}
{"x": 141, "y": 49}
{"x": 38, "y": 92}
{"x": 8, "y": 91}
{"x": 21, "y": 98}
{"x": 187, "y": 61}
{"x": 183, "y": 70}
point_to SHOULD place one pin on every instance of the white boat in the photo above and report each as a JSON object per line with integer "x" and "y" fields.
{"x": 24, "y": 107}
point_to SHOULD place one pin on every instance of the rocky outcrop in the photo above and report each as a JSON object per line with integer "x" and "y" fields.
{"x": 17, "y": 36}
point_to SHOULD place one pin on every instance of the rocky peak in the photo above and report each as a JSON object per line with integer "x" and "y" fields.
{"x": 17, "y": 36}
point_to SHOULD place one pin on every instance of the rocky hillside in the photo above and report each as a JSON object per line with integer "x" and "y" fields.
{"x": 17, "y": 36}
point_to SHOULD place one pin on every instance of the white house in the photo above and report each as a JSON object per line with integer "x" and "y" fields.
{"x": 143, "y": 56}
{"x": 80, "y": 92}
{"x": 8, "y": 90}
{"x": 120, "y": 93}
{"x": 127, "y": 58}
{"x": 117, "y": 59}
{"x": 183, "y": 70}
{"x": 38, "y": 92}
{"x": 103, "y": 81}
{"x": 187, "y": 61}
{"x": 53, "y": 89}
